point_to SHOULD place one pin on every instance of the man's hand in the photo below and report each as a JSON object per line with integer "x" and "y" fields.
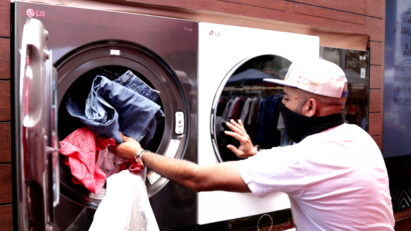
{"x": 238, "y": 131}
{"x": 128, "y": 149}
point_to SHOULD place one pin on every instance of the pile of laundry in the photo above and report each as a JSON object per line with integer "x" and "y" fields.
{"x": 128, "y": 105}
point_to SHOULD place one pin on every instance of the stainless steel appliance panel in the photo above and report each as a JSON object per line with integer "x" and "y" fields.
{"x": 79, "y": 41}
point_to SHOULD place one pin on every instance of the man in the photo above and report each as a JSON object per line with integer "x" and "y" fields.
{"x": 335, "y": 175}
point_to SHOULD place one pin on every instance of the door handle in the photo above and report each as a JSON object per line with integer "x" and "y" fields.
{"x": 54, "y": 174}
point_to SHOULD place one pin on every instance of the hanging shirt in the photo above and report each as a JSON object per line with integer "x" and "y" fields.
{"x": 335, "y": 179}
{"x": 253, "y": 109}
{"x": 245, "y": 109}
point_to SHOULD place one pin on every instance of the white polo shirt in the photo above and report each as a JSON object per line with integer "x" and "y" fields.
{"x": 335, "y": 179}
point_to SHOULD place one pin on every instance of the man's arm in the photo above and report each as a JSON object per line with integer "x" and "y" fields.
{"x": 223, "y": 176}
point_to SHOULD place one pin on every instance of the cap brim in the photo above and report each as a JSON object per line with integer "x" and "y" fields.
{"x": 279, "y": 81}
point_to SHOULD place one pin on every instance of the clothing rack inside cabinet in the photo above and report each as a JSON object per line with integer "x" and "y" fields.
{"x": 258, "y": 91}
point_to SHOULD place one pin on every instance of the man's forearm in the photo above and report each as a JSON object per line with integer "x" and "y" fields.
{"x": 180, "y": 171}
{"x": 222, "y": 176}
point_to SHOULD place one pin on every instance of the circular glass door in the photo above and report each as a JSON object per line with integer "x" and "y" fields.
{"x": 113, "y": 59}
{"x": 244, "y": 95}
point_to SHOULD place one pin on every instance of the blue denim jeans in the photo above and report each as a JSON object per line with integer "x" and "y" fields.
{"x": 112, "y": 107}
{"x": 130, "y": 80}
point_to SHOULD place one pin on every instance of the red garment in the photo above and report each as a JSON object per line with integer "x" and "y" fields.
{"x": 81, "y": 148}
{"x": 135, "y": 168}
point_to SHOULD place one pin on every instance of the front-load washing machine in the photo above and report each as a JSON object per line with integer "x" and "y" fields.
{"x": 58, "y": 50}
{"x": 233, "y": 61}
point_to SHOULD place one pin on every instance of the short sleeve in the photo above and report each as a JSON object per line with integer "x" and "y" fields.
{"x": 274, "y": 170}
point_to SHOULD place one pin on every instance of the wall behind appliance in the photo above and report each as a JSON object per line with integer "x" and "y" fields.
{"x": 5, "y": 137}
{"x": 342, "y": 24}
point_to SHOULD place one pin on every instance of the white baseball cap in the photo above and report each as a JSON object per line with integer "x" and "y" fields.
{"x": 317, "y": 76}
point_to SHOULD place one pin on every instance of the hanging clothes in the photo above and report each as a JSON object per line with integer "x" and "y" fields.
{"x": 126, "y": 205}
{"x": 260, "y": 120}
{"x": 224, "y": 116}
{"x": 236, "y": 113}
{"x": 272, "y": 136}
{"x": 253, "y": 109}
{"x": 245, "y": 110}
{"x": 234, "y": 108}
{"x": 267, "y": 135}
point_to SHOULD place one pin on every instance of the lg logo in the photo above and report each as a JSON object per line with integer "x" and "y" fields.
{"x": 35, "y": 13}
{"x": 214, "y": 33}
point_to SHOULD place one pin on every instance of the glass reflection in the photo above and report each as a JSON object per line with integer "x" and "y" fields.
{"x": 245, "y": 96}
{"x": 356, "y": 68}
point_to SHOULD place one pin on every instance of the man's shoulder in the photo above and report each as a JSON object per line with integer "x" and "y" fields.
{"x": 344, "y": 129}
{"x": 341, "y": 133}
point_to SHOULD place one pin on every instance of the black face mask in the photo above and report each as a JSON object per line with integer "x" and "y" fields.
{"x": 298, "y": 126}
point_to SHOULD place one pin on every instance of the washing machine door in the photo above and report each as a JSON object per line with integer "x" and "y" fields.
{"x": 37, "y": 150}
{"x": 112, "y": 59}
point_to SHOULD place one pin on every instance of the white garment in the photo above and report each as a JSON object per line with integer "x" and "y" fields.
{"x": 125, "y": 206}
{"x": 335, "y": 179}
{"x": 245, "y": 109}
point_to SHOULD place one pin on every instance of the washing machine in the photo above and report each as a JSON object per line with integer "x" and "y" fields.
{"x": 233, "y": 61}
{"x": 57, "y": 51}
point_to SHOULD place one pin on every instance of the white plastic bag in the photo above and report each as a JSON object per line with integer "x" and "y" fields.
{"x": 126, "y": 205}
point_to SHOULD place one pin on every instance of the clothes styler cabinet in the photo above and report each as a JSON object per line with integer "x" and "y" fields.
{"x": 233, "y": 61}
{"x": 57, "y": 50}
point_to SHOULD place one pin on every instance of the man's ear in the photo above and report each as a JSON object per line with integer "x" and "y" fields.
{"x": 309, "y": 108}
